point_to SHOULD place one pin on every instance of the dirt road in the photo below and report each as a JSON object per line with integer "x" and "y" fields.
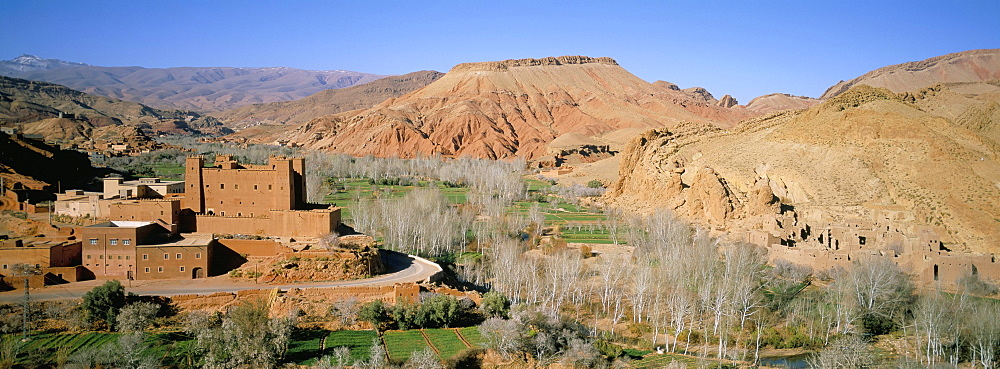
{"x": 401, "y": 268}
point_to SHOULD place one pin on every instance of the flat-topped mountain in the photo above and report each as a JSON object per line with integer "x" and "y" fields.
{"x": 967, "y": 66}
{"x": 189, "y": 88}
{"x": 507, "y": 108}
{"x": 327, "y": 102}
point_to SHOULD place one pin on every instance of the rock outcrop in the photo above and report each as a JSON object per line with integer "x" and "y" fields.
{"x": 728, "y": 102}
{"x": 866, "y": 149}
{"x": 777, "y": 102}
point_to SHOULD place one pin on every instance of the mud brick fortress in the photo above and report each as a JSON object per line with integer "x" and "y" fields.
{"x": 203, "y": 226}
{"x": 822, "y": 241}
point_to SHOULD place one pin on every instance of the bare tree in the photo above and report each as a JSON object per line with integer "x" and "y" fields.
{"x": 849, "y": 351}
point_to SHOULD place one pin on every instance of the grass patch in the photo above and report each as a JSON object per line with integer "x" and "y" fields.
{"x": 446, "y": 341}
{"x": 402, "y": 344}
{"x": 472, "y": 335}
{"x": 359, "y": 342}
{"x": 304, "y": 346}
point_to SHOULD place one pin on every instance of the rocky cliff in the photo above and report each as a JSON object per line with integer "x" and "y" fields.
{"x": 933, "y": 152}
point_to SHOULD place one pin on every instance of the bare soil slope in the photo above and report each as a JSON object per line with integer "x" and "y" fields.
{"x": 967, "y": 66}
{"x": 505, "y": 109}
{"x": 934, "y": 151}
{"x": 327, "y": 102}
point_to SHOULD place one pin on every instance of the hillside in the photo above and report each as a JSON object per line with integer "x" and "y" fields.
{"x": 933, "y": 153}
{"x": 967, "y": 66}
{"x": 505, "y": 109}
{"x": 327, "y": 102}
{"x": 187, "y": 88}
{"x": 35, "y": 107}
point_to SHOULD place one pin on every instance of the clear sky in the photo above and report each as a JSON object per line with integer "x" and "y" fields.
{"x": 743, "y": 48}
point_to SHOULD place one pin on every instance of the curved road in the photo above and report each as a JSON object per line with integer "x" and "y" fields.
{"x": 401, "y": 268}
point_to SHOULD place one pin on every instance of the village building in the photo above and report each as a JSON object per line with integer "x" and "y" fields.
{"x": 57, "y": 261}
{"x": 143, "y": 250}
{"x": 823, "y": 242}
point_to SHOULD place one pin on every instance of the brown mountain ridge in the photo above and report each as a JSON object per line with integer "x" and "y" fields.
{"x": 507, "y": 108}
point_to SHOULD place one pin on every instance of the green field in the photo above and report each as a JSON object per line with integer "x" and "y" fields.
{"x": 446, "y": 341}
{"x": 306, "y": 346}
{"x": 472, "y": 335}
{"x": 402, "y": 344}
{"x": 660, "y": 361}
{"x": 359, "y": 342}
{"x": 348, "y": 190}
{"x": 169, "y": 171}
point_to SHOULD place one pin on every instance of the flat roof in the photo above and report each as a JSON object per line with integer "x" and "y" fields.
{"x": 122, "y": 224}
{"x": 193, "y": 241}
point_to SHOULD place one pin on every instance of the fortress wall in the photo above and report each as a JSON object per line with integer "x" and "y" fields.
{"x": 255, "y": 247}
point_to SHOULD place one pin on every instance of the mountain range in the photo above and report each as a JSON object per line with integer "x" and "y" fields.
{"x": 200, "y": 89}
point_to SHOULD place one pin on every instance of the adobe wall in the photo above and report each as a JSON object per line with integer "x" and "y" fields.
{"x": 313, "y": 223}
{"x": 232, "y": 225}
{"x": 313, "y": 301}
{"x": 172, "y": 262}
{"x": 147, "y": 210}
{"x": 284, "y": 223}
{"x": 263, "y": 248}
{"x": 66, "y": 254}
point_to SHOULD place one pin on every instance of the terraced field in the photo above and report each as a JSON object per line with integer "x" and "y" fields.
{"x": 359, "y": 342}
{"x": 446, "y": 341}
{"x": 402, "y": 344}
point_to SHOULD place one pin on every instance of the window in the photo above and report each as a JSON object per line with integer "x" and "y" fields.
{"x": 268, "y": 187}
{"x": 88, "y": 256}
{"x": 93, "y": 241}
{"x": 100, "y": 256}
{"x": 197, "y": 255}
{"x": 145, "y": 256}
{"x": 5, "y": 266}
{"x": 166, "y": 256}
{"x": 147, "y": 270}
{"x": 126, "y": 242}
{"x": 222, "y": 186}
{"x": 113, "y": 241}
{"x": 159, "y": 269}
{"x": 127, "y": 257}
{"x": 182, "y": 269}
{"x": 236, "y": 186}
{"x": 255, "y": 187}
{"x": 119, "y": 257}
{"x": 178, "y": 256}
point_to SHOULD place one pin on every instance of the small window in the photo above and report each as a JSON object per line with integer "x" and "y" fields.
{"x": 100, "y": 256}
{"x": 5, "y": 266}
{"x": 145, "y": 256}
{"x": 126, "y": 242}
{"x": 197, "y": 255}
{"x": 236, "y": 186}
{"x": 119, "y": 257}
{"x": 93, "y": 241}
{"x": 268, "y": 187}
{"x": 113, "y": 241}
{"x": 161, "y": 212}
{"x": 255, "y": 187}
{"x": 182, "y": 269}
{"x": 166, "y": 256}
{"x": 159, "y": 269}
{"x": 178, "y": 256}
{"x": 147, "y": 270}
{"x": 222, "y": 186}
{"x": 88, "y": 256}
{"x": 127, "y": 257}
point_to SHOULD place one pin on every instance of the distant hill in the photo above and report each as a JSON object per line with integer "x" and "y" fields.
{"x": 327, "y": 102}
{"x": 188, "y": 88}
{"x": 35, "y": 107}
{"x": 967, "y": 66}
{"x": 505, "y": 109}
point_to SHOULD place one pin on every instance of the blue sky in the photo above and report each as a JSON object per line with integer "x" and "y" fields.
{"x": 745, "y": 48}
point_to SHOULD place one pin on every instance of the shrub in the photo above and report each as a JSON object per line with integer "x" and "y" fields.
{"x": 104, "y": 302}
